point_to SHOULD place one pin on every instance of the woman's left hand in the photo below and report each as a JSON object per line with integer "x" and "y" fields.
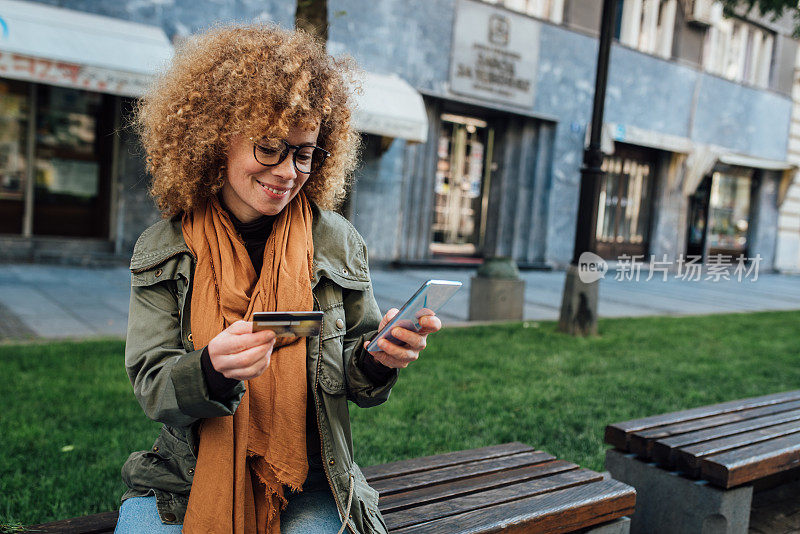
{"x": 398, "y": 356}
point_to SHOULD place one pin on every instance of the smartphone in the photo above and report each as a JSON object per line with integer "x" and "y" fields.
{"x": 431, "y": 296}
{"x": 284, "y": 324}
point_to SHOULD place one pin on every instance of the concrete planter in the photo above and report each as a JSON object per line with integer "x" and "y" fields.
{"x": 497, "y": 293}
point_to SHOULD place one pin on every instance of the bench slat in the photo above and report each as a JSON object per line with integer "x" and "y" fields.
{"x": 642, "y": 442}
{"x": 485, "y": 499}
{"x": 690, "y": 457}
{"x": 485, "y": 488}
{"x": 414, "y": 465}
{"x": 421, "y": 479}
{"x": 439, "y": 492}
{"x": 746, "y": 464}
{"x": 555, "y": 512}
{"x": 102, "y": 523}
{"x": 618, "y": 433}
{"x": 667, "y": 451}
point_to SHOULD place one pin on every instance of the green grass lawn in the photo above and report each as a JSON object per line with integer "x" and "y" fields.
{"x": 69, "y": 417}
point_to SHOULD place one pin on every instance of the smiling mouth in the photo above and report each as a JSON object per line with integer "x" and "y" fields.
{"x": 274, "y": 190}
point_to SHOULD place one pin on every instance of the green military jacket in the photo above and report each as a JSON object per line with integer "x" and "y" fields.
{"x": 164, "y": 366}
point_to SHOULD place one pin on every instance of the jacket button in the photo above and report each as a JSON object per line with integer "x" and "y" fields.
{"x": 169, "y": 517}
{"x": 189, "y": 337}
{"x": 159, "y": 272}
{"x": 331, "y": 461}
{"x": 155, "y": 449}
{"x": 339, "y": 324}
{"x": 344, "y": 270}
{"x": 190, "y": 471}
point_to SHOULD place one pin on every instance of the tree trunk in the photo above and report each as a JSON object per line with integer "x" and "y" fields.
{"x": 312, "y": 16}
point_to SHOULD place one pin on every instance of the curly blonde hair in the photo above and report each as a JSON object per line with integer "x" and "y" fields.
{"x": 255, "y": 80}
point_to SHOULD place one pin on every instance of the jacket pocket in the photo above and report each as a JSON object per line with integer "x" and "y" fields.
{"x": 168, "y": 466}
{"x": 332, "y": 370}
{"x": 373, "y": 520}
{"x": 368, "y": 503}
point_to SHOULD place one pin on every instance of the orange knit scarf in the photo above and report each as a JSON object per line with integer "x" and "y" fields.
{"x": 245, "y": 460}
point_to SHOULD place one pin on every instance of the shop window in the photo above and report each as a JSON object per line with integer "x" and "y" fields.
{"x": 719, "y": 214}
{"x": 623, "y": 203}
{"x": 648, "y": 25}
{"x": 67, "y": 157}
{"x": 68, "y": 199}
{"x": 14, "y": 113}
{"x": 737, "y": 50}
{"x": 552, "y": 10}
{"x": 729, "y": 214}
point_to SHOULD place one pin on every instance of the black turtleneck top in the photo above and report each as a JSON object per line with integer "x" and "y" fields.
{"x": 255, "y": 235}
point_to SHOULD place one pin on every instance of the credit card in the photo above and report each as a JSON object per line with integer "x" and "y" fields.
{"x": 284, "y": 324}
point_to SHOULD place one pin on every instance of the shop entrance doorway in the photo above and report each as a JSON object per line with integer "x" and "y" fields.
{"x": 698, "y": 217}
{"x": 461, "y": 186}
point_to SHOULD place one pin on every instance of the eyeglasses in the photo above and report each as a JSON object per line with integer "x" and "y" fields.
{"x": 272, "y": 152}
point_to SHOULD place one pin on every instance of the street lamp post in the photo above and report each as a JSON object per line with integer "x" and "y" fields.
{"x": 579, "y": 302}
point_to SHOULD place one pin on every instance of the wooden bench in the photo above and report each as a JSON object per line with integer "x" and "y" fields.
{"x": 720, "y": 452}
{"x": 510, "y": 488}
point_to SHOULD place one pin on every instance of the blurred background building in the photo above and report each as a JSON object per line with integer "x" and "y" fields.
{"x": 474, "y": 115}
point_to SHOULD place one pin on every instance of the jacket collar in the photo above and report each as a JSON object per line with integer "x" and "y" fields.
{"x": 157, "y": 244}
{"x": 339, "y": 251}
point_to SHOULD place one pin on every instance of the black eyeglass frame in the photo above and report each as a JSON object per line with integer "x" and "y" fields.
{"x": 285, "y": 152}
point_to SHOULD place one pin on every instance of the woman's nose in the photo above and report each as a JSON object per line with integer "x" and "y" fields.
{"x": 285, "y": 169}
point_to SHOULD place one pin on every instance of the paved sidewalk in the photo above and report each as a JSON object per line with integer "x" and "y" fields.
{"x": 72, "y": 302}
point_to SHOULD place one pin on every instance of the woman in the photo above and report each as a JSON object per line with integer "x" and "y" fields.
{"x": 249, "y": 141}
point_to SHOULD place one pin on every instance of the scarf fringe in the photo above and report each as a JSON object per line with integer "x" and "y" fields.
{"x": 270, "y": 487}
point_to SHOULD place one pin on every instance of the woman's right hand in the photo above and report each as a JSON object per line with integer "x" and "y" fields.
{"x": 239, "y": 353}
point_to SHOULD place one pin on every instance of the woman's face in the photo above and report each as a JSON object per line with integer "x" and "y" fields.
{"x": 251, "y": 189}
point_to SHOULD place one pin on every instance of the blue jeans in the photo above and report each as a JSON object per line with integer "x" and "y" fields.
{"x": 139, "y": 514}
{"x": 311, "y": 512}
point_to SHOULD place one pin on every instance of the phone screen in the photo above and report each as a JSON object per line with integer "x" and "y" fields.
{"x": 431, "y": 296}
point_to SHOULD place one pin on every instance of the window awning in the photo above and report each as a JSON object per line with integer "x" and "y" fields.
{"x": 789, "y": 170}
{"x": 69, "y": 48}
{"x": 387, "y": 105}
{"x": 633, "y": 135}
{"x": 756, "y": 163}
{"x": 703, "y": 158}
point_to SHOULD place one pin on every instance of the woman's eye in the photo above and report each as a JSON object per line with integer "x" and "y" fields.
{"x": 268, "y": 151}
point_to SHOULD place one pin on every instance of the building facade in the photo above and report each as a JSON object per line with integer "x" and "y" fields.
{"x": 788, "y": 248}
{"x": 497, "y": 97}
